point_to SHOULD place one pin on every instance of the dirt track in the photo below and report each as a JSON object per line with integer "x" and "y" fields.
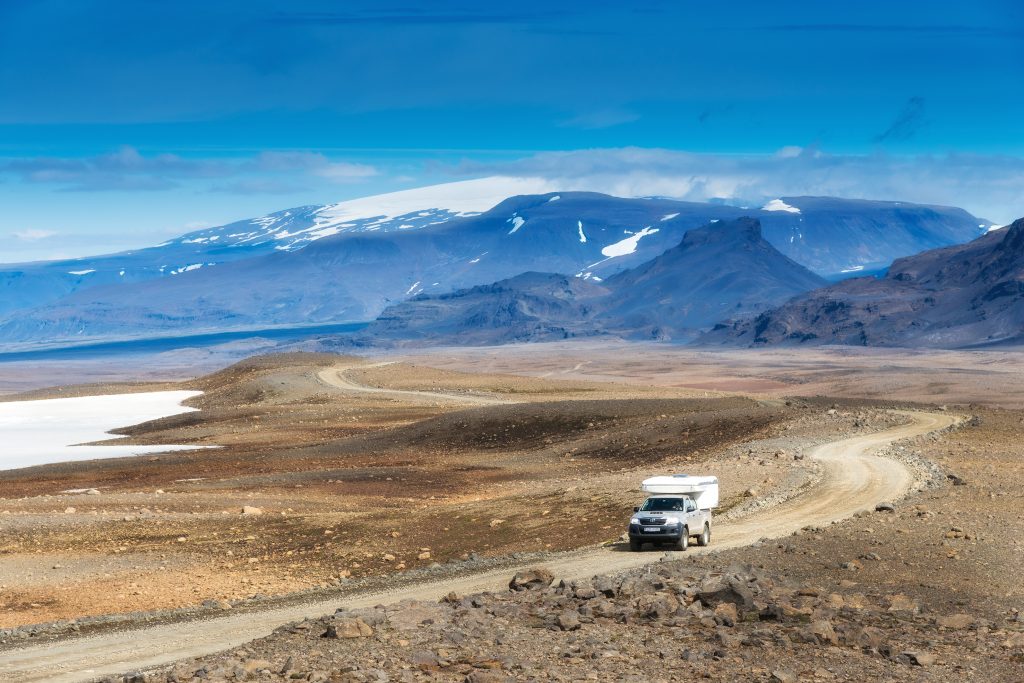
{"x": 336, "y": 378}
{"x": 853, "y": 480}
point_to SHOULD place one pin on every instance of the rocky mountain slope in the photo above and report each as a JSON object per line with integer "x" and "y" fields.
{"x": 722, "y": 269}
{"x": 966, "y": 295}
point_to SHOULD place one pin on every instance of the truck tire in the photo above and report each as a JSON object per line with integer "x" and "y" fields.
{"x": 635, "y": 545}
{"x": 705, "y": 537}
{"x": 684, "y": 540}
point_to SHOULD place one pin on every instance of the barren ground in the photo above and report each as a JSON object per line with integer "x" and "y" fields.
{"x": 541, "y": 454}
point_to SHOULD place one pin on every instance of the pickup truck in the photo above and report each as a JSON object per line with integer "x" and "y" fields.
{"x": 667, "y": 518}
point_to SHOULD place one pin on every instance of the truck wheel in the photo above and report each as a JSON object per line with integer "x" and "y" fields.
{"x": 684, "y": 540}
{"x": 705, "y": 538}
{"x": 635, "y": 545}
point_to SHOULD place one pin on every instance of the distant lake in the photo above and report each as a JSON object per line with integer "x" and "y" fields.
{"x": 47, "y": 431}
{"x": 104, "y": 349}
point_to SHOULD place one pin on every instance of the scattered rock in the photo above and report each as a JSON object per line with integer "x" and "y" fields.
{"x": 955, "y": 621}
{"x": 885, "y": 507}
{"x": 921, "y": 658}
{"x": 901, "y": 603}
{"x": 249, "y": 510}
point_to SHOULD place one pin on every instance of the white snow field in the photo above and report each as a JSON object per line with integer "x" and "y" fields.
{"x": 42, "y": 432}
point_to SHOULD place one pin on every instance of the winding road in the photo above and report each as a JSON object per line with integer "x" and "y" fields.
{"x": 854, "y": 479}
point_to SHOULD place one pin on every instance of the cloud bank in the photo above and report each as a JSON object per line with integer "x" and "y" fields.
{"x": 129, "y": 170}
{"x": 988, "y": 186}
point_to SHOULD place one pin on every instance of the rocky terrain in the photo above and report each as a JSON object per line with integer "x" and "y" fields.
{"x": 968, "y": 295}
{"x": 920, "y": 590}
{"x": 676, "y": 620}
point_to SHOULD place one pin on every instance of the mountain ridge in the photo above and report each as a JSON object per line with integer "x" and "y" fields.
{"x": 716, "y": 269}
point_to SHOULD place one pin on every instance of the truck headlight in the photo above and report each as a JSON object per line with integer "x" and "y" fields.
{"x": 672, "y": 521}
{"x": 635, "y": 520}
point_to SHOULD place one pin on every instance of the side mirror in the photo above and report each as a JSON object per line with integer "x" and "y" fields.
{"x": 636, "y": 509}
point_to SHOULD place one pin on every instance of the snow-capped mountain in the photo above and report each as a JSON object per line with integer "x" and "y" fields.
{"x": 348, "y": 261}
{"x": 32, "y": 284}
{"x": 395, "y": 211}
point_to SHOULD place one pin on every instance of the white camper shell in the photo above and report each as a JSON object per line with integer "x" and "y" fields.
{"x": 704, "y": 490}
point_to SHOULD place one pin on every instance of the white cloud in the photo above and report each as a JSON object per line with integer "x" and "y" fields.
{"x": 789, "y": 151}
{"x": 34, "y": 235}
{"x": 345, "y": 172}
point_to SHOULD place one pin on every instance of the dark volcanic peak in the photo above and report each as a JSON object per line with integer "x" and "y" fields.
{"x": 967, "y": 295}
{"x": 721, "y": 270}
{"x": 743, "y": 229}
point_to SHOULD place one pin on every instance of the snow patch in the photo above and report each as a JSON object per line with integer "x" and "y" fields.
{"x": 993, "y": 227}
{"x": 583, "y": 236}
{"x": 852, "y": 269}
{"x": 414, "y": 286}
{"x": 42, "y": 432}
{"x": 628, "y": 245}
{"x": 555, "y": 198}
{"x": 463, "y": 198}
{"x": 668, "y": 217}
{"x": 779, "y": 205}
{"x": 185, "y": 269}
{"x": 517, "y": 222}
{"x": 81, "y": 272}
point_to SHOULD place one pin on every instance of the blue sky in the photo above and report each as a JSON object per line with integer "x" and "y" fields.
{"x": 122, "y": 123}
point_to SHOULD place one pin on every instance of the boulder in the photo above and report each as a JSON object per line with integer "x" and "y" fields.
{"x": 348, "y": 628}
{"x": 823, "y": 632}
{"x": 531, "y": 579}
{"x": 568, "y": 621}
{"x": 713, "y": 593}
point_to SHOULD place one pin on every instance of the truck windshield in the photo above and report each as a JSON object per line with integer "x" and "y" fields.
{"x": 663, "y": 505}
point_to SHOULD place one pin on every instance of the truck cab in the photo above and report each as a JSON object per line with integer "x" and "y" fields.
{"x": 678, "y": 510}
